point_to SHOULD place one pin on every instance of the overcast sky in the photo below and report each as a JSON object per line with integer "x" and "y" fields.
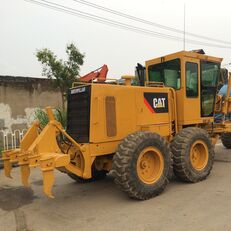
{"x": 26, "y": 27}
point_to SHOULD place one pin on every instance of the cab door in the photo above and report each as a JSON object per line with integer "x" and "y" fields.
{"x": 191, "y": 70}
{"x": 209, "y": 77}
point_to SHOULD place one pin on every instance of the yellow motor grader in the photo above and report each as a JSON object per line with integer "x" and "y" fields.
{"x": 141, "y": 133}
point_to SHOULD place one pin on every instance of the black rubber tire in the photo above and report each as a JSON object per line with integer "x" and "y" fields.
{"x": 180, "y": 148}
{"x": 125, "y": 160}
{"x": 226, "y": 139}
{"x": 96, "y": 175}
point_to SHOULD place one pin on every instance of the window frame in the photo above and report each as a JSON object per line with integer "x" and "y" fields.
{"x": 162, "y": 70}
{"x": 189, "y": 96}
{"x": 214, "y": 88}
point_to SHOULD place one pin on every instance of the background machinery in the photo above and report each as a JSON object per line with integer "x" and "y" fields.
{"x": 140, "y": 133}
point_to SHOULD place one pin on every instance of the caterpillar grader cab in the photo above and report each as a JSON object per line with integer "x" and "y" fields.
{"x": 142, "y": 134}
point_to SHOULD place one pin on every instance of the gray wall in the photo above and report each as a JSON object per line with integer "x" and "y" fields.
{"x": 19, "y": 96}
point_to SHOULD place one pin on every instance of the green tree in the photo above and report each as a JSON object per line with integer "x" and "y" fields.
{"x": 64, "y": 72}
{"x": 43, "y": 119}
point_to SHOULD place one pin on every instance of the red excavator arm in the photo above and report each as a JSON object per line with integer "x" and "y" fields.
{"x": 100, "y": 74}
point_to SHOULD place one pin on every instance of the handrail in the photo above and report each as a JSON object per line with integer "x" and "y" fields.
{"x": 154, "y": 84}
{"x": 75, "y": 84}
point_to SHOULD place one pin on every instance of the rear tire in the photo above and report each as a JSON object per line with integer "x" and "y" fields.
{"x": 226, "y": 139}
{"x": 193, "y": 154}
{"x": 142, "y": 165}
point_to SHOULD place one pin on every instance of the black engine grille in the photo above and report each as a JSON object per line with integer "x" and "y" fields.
{"x": 78, "y": 113}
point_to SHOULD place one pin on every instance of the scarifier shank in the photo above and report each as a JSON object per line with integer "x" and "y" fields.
{"x": 41, "y": 149}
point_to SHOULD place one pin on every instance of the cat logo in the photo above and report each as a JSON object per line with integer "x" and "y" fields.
{"x": 159, "y": 102}
{"x": 156, "y": 102}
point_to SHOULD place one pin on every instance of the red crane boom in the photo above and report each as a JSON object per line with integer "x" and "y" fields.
{"x": 100, "y": 74}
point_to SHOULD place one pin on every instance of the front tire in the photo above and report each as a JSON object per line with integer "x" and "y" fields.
{"x": 142, "y": 165}
{"x": 193, "y": 154}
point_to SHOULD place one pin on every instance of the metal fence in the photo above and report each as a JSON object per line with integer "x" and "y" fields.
{"x": 11, "y": 140}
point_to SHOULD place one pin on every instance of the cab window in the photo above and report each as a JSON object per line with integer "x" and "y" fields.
{"x": 209, "y": 77}
{"x": 166, "y": 72}
{"x": 191, "y": 79}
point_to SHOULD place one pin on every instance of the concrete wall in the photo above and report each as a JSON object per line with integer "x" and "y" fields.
{"x": 19, "y": 96}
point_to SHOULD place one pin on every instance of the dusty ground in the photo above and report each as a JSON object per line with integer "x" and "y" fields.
{"x": 100, "y": 206}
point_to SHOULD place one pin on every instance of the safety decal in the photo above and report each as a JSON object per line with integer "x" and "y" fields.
{"x": 156, "y": 102}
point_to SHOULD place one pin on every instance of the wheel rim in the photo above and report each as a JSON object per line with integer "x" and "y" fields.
{"x": 150, "y": 165}
{"x": 199, "y": 155}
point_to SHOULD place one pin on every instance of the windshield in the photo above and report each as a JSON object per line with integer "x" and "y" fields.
{"x": 166, "y": 72}
{"x": 210, "y": 73}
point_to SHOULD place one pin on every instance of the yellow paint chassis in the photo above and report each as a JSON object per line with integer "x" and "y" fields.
{"x": 117, "y": 112}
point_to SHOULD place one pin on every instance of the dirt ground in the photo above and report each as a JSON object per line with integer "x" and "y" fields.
{"x": 101, "y": 206}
